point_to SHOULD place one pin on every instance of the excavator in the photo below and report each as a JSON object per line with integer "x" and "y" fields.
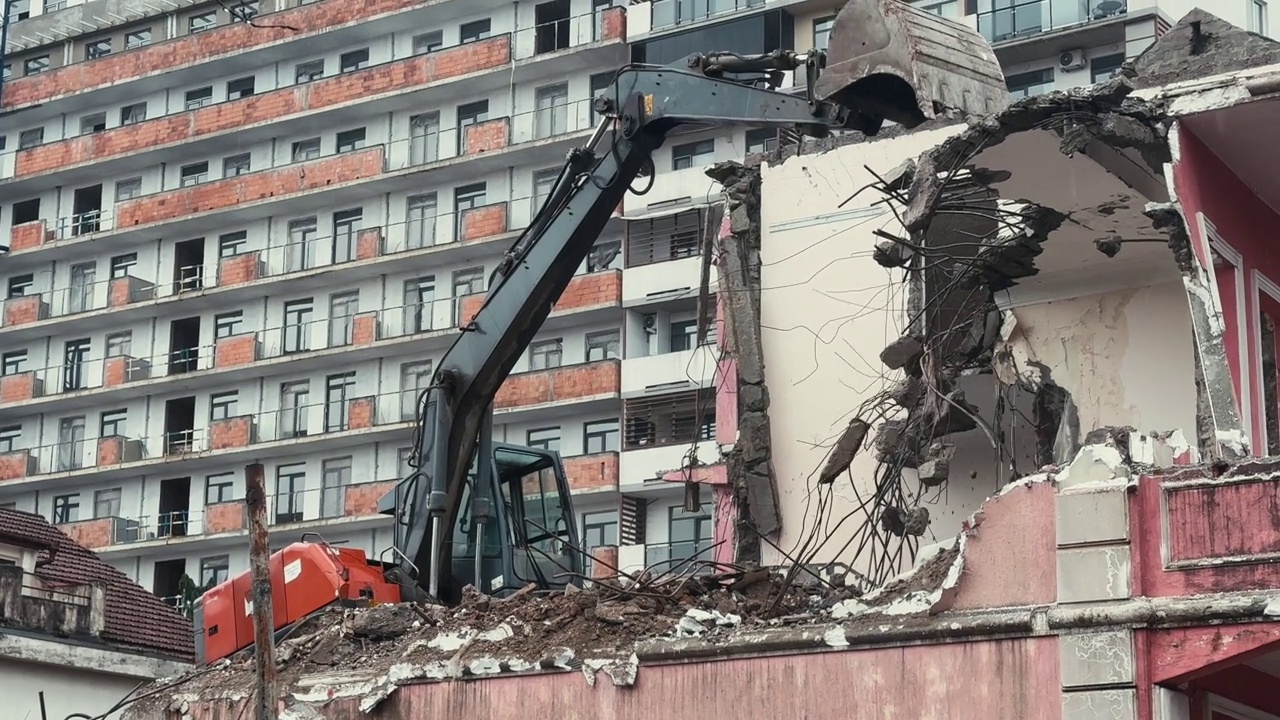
{"x": 499, "y": 517}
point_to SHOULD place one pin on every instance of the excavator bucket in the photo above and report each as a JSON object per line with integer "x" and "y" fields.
{"x": 887, "y": 60}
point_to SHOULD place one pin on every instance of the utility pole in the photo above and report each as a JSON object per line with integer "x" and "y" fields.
{"x": 264, "y": 648}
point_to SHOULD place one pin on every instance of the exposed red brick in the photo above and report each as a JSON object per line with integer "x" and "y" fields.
{"x": 241, "y": 189}
{"x": 27, "y": 236}
{"x": 560, "y": 384}
{"x": 363, "y": 499}
{"x": 239, "y": 269}
{"x": 110, "y": 451}
{"x": 231, "y": 433}
{"x": 119, "y": 292}
{"x": 224, "y": 517}
{"x": 20, "y": 386}
{"x": 604, "y": 561}
{"x": 24, "y": 310}
{"x": 592, "y": 472}
{"x": 362, "y": 85}
{"x": 614, "y": 24}
{"x": 115, "y": 371}
{"x": 487, "y": 136}
{"x": 364, "y": 329}
{"x": 360, "y": 413}
{"x": 236, "y": 350}
{"x": 16, "y": 465}
{"x": 93, "y": 534}
{"x": 369, "y": 243}
{"x": 484, "y": 221}
{"x": 469, "y": 307}
{"x": 599, "y": 289}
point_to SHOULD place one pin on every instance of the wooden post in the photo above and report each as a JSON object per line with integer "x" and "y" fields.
{"x": 264, "y": 654}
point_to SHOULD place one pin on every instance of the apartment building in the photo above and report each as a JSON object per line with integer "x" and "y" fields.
{"x": 246, "y": 232}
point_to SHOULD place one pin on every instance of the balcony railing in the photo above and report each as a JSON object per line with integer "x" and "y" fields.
{"x": 687, "y": 557}
{"x": 1012, "y": 21}
{"x": 668, "y": 13}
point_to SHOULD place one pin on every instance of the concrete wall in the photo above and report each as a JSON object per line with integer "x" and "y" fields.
{"x": 65, "y": 690}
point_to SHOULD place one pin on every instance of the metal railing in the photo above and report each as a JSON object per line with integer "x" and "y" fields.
{"x": 668, "y": 13}
{"x": 1010, "y": 21}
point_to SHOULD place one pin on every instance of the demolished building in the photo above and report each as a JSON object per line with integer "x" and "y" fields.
{"x": 996, "y": 395}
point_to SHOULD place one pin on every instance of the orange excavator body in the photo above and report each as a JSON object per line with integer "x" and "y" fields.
{"x": 304, "y": 578}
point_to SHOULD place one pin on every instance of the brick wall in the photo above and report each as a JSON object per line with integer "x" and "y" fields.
{"x": 484, "y": 222}
{"x": 364, "y": 330}
{"x": 96, "y": 533}
{"x": 601, "y": 289}
{"x": 24, "y": 310}
{"x": 487, "y": 136}
{"x": 363, "y": 499}
{"x": 615, "y": 24}
{"x": 559, "y": 384}
{"x": 16, "y": 465}
{"x": 224, "y": 517}
{"x": 110, "y": 451}
{"x": 20, "y": 387}
{"x": 236, "y": 350}
{"x": 369, "y": 243}
{"x": 274, "y": 106}
{"x": 604, "y": 559}
{"x": 27, "y": 236}
{"x": 239, "y": 269}
{"x": 592, "y": 472}
{"x": 469, "y": 307}
{"x": 115, "y": 371}
{"x": 360, "y": 413}
{"x": 231, "y": 433}
{"x": 222, "y": 194}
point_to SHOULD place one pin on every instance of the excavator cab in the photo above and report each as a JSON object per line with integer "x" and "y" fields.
{"x": 530, "y": 535}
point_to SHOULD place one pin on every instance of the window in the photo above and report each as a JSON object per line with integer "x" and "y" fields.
{"x": 605, "y": 255}
{"x": 335, "y": 477}
{"x": 194, "y": 174}
{"x": 349, "y": 140}
{"x": 20, "y": 285}
{"x": 232, "y": 244}
{"x": 308, "y": 71}
{"x": 1258, "y": 17}
{"x": 599, "y": 528}
{"x": 121, "y": 265}
{"x": 223, "y": 405}
{"x": 603, "y": 345}
{"x": 544, "y": 439}
{"x": 75, "y": 356}
{"x": 761, "y": 140}
{"x": 106, "y": 503}
{"x": 9, "y": 437}
{"x": 94, "y": 123}
{"x": 950, "y": 9}
{"x": 346, "y": 225}
{"x": 97, "y": 49}
{"x": 202, "y": 22}
{"x": 35, "y": 65}
{"x": 474, "y": 30}
{"x": 244, "y": 11}
{"x": 241, "y": 88}
{"x": 13, "y": 362}
{"x": 466, "y": 282}
{"x": 135, "y": 113}
{"x": 403, "y": 458}
{"x": 112, "y": 424}
{"x": 690, "y": 534}
{"x": 543, "y": 182}
{"x": 137, "y": 39}
{"x": 822, "y": 31}
{"x": 414, "y": 379}
{"x": 694, "y": 154}
{"x": 300, "y": 251}
{"x": 214, "y": 571}
{"x": 293, "y": 408}
{"x": 235, "y": 165}
{"x": 552, "y": 113}
{"x": 684, "y": 335}
{"x": 419, "y": 300}
{"x": 1027, "y": 84}
{"x": 546, "y": 354}
{"x": 668, "y": 419}
{"x": 119, "y": 344}
{"x": 290, "y": 484}
{"x": 306, "y": 149}
{"x": 128, "y": 189}
{"x": 428, "y": 42}
{"x": 469, "y": 196}
{"x": 25, "y": 211}
{"x": 30, "y": 138}
{"x": 199, "y": 97}
{"x": 336, "y": 388}
{"x": 1102, "y": 68}
{"x": 20, "y": 10}
{"x": 600, "y": 436}
{"x": 600, "y": 82}
{"x": 424, "y": 138}
{"x": 66, "y": 508}
{"x": 227, "y": 324}
{"x": 343, "y": 308}
{"x": 297, "y": 326}
{"x": 660, "y": 239}
{"x": 354, "y": 60}
{"x": 218, "y": 488}
{"x": 420, "y": 221}
{"x": 470, "y": 114}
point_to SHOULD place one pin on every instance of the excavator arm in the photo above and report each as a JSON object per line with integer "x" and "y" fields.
{"x": 643, "y": 106}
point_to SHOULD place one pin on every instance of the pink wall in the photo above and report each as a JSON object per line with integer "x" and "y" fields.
{"x": 1011, "y": 559}
{"x": 1246, "y": 224}
{"x": 996, "y": 680}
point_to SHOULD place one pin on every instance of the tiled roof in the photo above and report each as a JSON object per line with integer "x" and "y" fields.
{"x": 135, "y": 619}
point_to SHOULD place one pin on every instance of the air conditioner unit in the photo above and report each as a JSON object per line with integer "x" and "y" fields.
{"x": 1072, "y": 60}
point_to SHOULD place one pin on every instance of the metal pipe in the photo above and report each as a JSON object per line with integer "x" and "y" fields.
{"x": 264, "y": 653}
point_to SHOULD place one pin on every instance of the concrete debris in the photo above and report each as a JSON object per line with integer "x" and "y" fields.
{"x": 1201, "y": 44}
{"x": 937, "y": 465}
{"x": 892, "y": 254}
{"x": 902, "y": 352}
{"x": 845, "y": 451}
{"x": 899, "y": 522}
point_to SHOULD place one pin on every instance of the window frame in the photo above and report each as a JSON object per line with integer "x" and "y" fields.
{"x": 223, "y": 405}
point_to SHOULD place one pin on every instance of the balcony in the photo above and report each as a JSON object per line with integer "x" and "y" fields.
{"x": 593, "y": 291}
{"x": 27, "y": 601}
{"x": 693, "y": 557}
{"x": 667, "y": 14}
{"x": 570, "y": 383}
{"x": 1027, "y": 19}
{"x": 593, "y": 473}
{"x": 670, "y": 371}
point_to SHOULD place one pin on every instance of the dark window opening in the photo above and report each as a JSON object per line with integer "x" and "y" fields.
{"x": 184, "y": 345}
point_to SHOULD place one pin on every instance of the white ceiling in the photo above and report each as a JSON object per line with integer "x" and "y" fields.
{"x": 1238, "y": 136}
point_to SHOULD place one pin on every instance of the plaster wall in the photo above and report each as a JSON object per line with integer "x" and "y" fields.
{"x": 66, "y": 690}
